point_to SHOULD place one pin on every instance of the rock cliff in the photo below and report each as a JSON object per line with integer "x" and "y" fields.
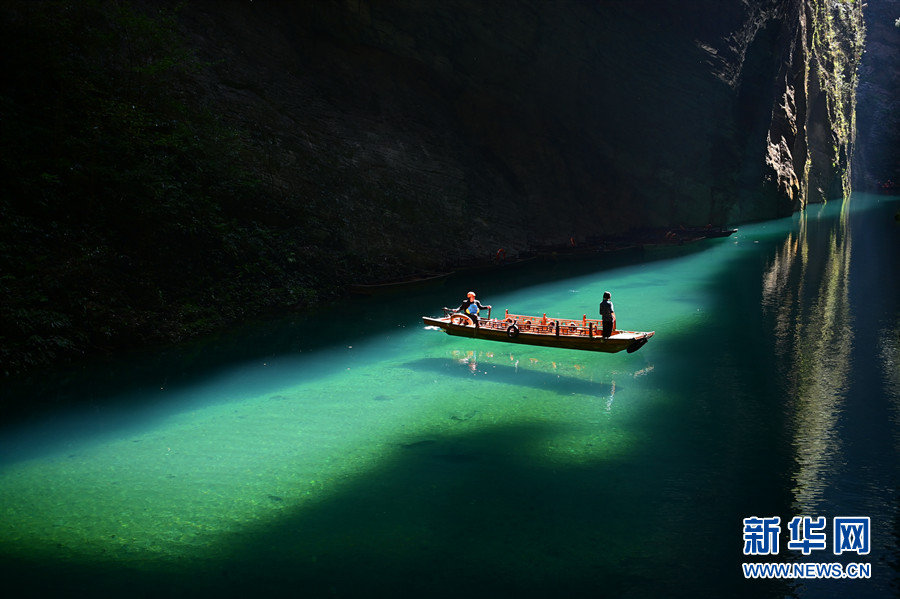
{"x": 268, "y": 152}
{"x": 539, "y": 121}
{"x": 876, "y": 164}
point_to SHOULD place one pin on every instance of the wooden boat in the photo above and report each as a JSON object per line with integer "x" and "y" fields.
{"x": 583, "y": 334}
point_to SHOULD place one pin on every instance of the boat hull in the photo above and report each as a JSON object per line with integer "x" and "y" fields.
{"x": 578, "y": 338}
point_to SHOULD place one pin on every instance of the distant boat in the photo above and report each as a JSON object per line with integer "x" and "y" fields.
{"x": 400, "y": 285}
{"x": 583, "y": 334}
{"x": 683, "y": 235}
{"x": 714, "y": 232}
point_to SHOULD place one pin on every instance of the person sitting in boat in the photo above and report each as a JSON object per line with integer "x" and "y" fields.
{"x": 608, "y": 314}
{"x": 471, "y": 306}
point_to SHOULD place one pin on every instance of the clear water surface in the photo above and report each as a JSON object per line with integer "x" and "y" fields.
{"x": 353, "y": 453}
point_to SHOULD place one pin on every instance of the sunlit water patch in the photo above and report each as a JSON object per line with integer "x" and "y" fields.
{"x": 236, "y": 457}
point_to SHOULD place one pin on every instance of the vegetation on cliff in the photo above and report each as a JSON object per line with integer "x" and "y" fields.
{"x": 838, "y": 41}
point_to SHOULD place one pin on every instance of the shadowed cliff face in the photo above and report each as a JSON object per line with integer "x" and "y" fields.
{"x": 167, "y": 172}
{"x": 539, "y": 121}
{"x": 876, "y": 163}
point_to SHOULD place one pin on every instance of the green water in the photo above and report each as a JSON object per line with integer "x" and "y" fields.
{"x": 354, "y": 453}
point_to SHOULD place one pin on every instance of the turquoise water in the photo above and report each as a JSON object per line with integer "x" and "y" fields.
{"x": 351, "y": 452}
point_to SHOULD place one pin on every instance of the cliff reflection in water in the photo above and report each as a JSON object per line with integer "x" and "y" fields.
{"x": 806, "y": 304}
{"x": 889, "y": 358}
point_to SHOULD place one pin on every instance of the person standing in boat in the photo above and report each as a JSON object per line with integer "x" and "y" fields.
{"x": 471, "y": 306}
{"x": 608, "y": 314}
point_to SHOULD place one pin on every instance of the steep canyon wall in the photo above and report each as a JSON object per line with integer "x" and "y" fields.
{"x": 271, "y": 152}
{"x": 876, "y": 164}
{"x": 540, "y": 121}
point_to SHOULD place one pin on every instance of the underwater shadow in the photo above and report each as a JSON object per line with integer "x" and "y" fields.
{"x": 486, "y": 513}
